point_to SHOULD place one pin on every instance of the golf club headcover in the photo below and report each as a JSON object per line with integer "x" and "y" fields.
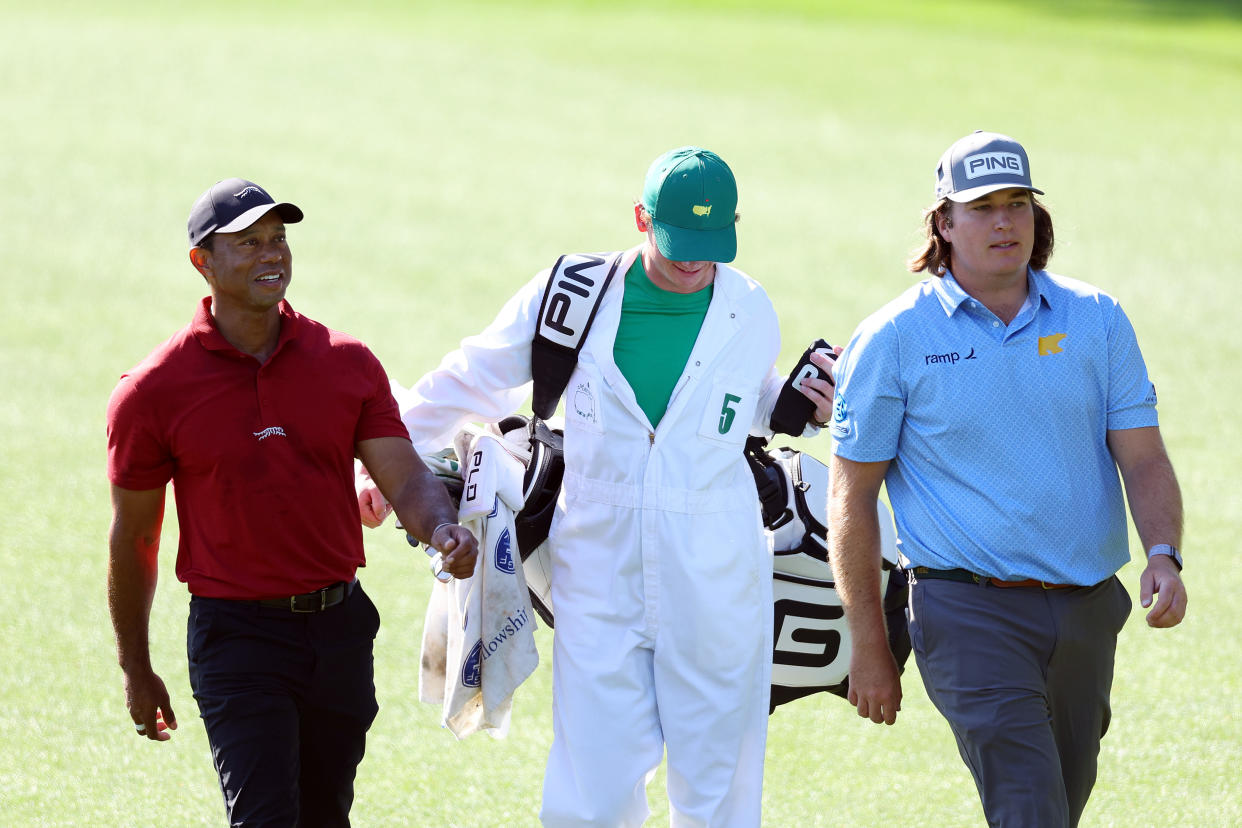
{"x": 793, "y": 410}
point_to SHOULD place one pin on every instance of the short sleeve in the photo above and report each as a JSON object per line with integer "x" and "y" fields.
{"x": 138, "y": 453}
{"x": 379, "y": 416}
{"x": 1131, "y": 394}
{"x": 869, "y": 405}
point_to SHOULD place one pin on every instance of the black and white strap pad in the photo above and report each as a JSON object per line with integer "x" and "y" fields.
{"x": 793, "y": 410}
{"x": 575, "y": 287}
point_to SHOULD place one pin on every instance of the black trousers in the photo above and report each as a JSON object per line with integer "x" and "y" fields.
{"x": 287, "y": 699}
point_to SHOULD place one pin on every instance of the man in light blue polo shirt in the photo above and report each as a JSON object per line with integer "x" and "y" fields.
{"x": 996, "y": 402}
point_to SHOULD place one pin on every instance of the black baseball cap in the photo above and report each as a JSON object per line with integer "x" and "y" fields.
{"x": 234, "y": 204}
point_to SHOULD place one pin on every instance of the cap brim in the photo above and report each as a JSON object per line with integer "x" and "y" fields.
{"x": 963, "y": 196}
{"x": 289, "y": 214}
{"x": 681, "y": 245}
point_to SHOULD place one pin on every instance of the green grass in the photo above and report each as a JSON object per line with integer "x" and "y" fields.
{"x": 443, "y": 153}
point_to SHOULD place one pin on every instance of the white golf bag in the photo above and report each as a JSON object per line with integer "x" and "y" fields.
{"x": 811, "y": 651}
{"x": 811, "y": 641}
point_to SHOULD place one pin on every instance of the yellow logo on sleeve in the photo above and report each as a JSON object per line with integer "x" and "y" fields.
{"x": 1050, "y": 344}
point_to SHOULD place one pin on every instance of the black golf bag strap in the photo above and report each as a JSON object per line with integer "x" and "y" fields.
{"x": 774, "y": 501}
{"x": 576, "y": 286}
{"x": 541, "y": 485}
{"x": 793, "y": 410}
{"x": 805, "y": 511}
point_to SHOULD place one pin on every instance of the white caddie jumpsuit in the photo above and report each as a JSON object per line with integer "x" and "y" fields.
{"x": 661, "y": 573}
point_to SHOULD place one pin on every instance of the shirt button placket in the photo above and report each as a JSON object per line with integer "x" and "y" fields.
{"x": 264, "y": 407}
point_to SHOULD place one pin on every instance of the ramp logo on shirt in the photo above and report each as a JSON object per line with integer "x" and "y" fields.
{"x": 503, "y": 554}
{"x": 272, "y": 431}
{"x": 951, "y": 358}
{"x": 1050, "y": 344}
{"x": 472, "y": 670}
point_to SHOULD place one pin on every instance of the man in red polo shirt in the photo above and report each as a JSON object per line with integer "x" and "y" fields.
{"x": 255, "y": 413}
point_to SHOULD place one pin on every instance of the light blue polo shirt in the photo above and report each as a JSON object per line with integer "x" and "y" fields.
{"x": 998, "y": 432}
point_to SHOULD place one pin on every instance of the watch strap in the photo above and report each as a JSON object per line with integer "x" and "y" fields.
{"x": 1168, "y": 550}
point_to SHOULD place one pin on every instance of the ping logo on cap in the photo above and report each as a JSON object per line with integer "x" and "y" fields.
{"x": 701, "y": 209}
{"x": 991, "y": 163}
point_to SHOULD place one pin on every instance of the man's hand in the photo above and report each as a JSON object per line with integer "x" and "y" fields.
{"x": 458, "y": 549}
{"x": 875, "y": 684}
{"x": 821, "y": 391}
{"x": 1162, "y": 578}
{"x": 149, "y": 705}
{"x": 372, "y": 505}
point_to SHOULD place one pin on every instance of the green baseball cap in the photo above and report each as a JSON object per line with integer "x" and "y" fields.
{"x": 692, "y": 198}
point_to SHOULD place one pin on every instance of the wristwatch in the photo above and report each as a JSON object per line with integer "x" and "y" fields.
{"x": 1166, "y": 549}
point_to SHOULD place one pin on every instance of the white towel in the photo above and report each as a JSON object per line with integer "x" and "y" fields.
{"x": 482, "y": 626}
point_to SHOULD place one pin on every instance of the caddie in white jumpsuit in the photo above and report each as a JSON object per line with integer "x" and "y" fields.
{"x": 661, "y": 574}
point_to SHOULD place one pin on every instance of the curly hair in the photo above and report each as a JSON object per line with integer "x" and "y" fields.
{"x": 933, "y": 255}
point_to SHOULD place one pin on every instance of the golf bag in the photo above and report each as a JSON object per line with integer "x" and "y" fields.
{"x": 811, "y": 641}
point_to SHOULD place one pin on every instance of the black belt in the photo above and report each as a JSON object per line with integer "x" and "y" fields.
{"x": 965, "y": 576}
{"x": 316, "y": 601}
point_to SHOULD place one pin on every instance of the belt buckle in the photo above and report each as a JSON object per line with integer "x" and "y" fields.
{"x": 323, "y": 602}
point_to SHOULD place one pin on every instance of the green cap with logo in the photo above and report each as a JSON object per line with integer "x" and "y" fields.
{"x": 692, "y": 198}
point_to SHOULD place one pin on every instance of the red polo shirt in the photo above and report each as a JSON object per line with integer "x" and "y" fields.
{"x": 260, "y": 456}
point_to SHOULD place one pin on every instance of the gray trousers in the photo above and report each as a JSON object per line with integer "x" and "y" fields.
{"x": 1023, "y": 677}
